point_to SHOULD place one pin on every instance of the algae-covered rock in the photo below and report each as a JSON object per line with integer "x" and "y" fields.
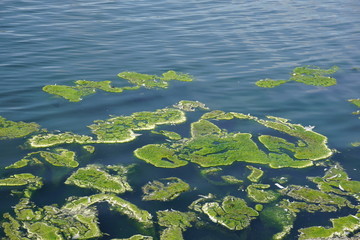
{"x": 255, "y": 174}
{"x": 165, "y": 189}
{"x": 257, "y": 193}
{"x": 10, "y": 129}
{"x": 310, "y": 75}
{"x": 341, "y": 227}
{"x": 31, "y": 182}
{"x": 99, "y": 177}
{"x": 232, "y": 212}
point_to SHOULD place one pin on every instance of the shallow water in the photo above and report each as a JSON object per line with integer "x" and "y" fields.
{"x": 226, "y": 45}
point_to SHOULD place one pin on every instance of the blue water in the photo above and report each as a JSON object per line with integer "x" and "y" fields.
{"x": 226, "y": 45}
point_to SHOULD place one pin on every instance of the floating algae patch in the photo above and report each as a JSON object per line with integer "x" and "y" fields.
{"x": 296, "y": 206}
{"x": 165, "y": 189}
{"x": 175, "y": 223}
{"x": 357, "y": 103}
{"x": 10, "y": 129}
{"x": 58, "y": 157}
{"x": 31, "y": 182}
{"x": 341, "y": 227}
{"x": 210, "y": 173}
{"x": 310, "y": 75}
{"x": 99, "y": 177}
{"x": 114, "y": 130}
{"x": 190, "y": 106}
{"x": 135, "y": 237}
{"x": 84, "y": 88}
{"x": 210, "y": 146}
{"x": 168, "y": 134}
{"x": 232, "y": 212}
{"x": 50, "y": 222}
{"x": 257, "y": 193}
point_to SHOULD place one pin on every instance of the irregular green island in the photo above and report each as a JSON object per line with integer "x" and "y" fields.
{"x": 256, "y": 193}
{"x": 210, "y": 173}
{"x": 31, "y": 182}
{"x": 11, "y": 130}
{"x": 232, "y": 212}
{"x": 310, "y": 75}
{"x": 114, "y": 130}
{"x": 101, "y": 178}
{"x": 210, "y": 146}
{"x": 175, "y": 223}
{"x": 84, "y": 88}
{"x": 165, "y": 189}
{"x": 255, "y": 174}
{"x": 58, "y": 157}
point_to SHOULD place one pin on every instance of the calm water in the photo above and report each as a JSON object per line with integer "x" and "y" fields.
{"x": 226, "y": 45}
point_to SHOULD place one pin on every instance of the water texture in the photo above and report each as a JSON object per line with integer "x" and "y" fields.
{"x": 226, "y": 45}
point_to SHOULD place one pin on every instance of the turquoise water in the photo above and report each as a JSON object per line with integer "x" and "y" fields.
{"x": 226, "y": 45}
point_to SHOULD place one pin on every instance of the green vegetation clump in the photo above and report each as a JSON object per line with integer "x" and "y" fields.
{"x": 190, "y": 106}
{"x": 168, "y": 134}
{"x": 84, "y": 88}
{"x": 11, "y": 130}
{"x": 165, "y": 189}
{"x": 99, "y": 178}
{"x": 231, "y": 179}
{"x": 256, "y": 193}
{"x": 135, "y": 237}
{"x": 310, "y": 75}
{"x": 255, "y": 174}
{"x": 355, "y": 101}
{"x": 175, "y": 223}
{"x": 342, "y": 227}
{"x": 232, "y": 213}
{"x": 31, "y": 182}
{"x": 50, "y": 139}
{"x": 296, "y": 207}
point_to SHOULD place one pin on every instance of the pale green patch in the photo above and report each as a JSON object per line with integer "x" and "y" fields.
{"x": 168, "y": 134}
{"x": 31, "y": 182}
{"x": 270, "y": 83}
{"x": 10, "y": 129}
{"x": 99, "y": 177}
{"x": 190, "y": 106}
{"x": 255, "y": 174}
{"x": 257, "y": 193}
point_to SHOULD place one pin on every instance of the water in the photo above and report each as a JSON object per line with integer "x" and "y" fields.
{"x": 226, "y": 45}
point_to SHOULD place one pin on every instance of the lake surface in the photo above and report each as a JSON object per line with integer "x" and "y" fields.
{"x": 226, "y": 45}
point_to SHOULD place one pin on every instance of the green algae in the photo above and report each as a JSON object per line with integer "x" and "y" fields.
{"x": 278, "y": 218}
{"x": 85, "y": 88}
{"x": 135, "y": 237}
{"x": 255, "y": 174}
{"x": 29, "y": 180}
{"x": 99, "y": 177}
{"x": 50, "y": 222}
{"x": 270, "y": 83}
{"x": 165, "y": 189}
{"x": 256, "y": 193}
{"x": 309, "y": 75}
{"x": 228, "y": 179}
{"x": 296, "y": 206}
{"x": 190, "y": 106}
{"x": 89, "y": 148}
{"x": 355, "y": 102}
{"x": 11, "y": 130}
{"x": 114, "y": 130}
{"x": 232, "y": 212}
{"x": 341, "y": 227}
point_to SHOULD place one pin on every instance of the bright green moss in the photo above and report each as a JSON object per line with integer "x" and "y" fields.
{"x": 89, "y": 148}
{"x": 98, "y": 177}
{"x": 60, "y": 158}
{"x": 342, "y": 226}
{"x": 165, "y": 189}
{"x": 276, "y": 144}
{"x": 270, "y": 83}
{"x": 10, "y": 129}
{"x": 171, "y": 233}
{"x": 50, "y": 139}
{"x": 310, "y": 75}
{"x": 174, "y": 218}
{"x": 135, "y": 237}
{"x": 256, "y": 193}
{"x": 278, "y": 218}
{"x": 43, "y": 231}
{"x": 159, "y": 156}
{"x": 190, "y": 106}
{"x": 255, "y": 174}
{"x": 231, "y": 179}
{"x": 296, "y": 207}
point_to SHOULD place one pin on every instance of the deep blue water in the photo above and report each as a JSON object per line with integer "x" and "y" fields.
{"x": 226, "y": 45}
